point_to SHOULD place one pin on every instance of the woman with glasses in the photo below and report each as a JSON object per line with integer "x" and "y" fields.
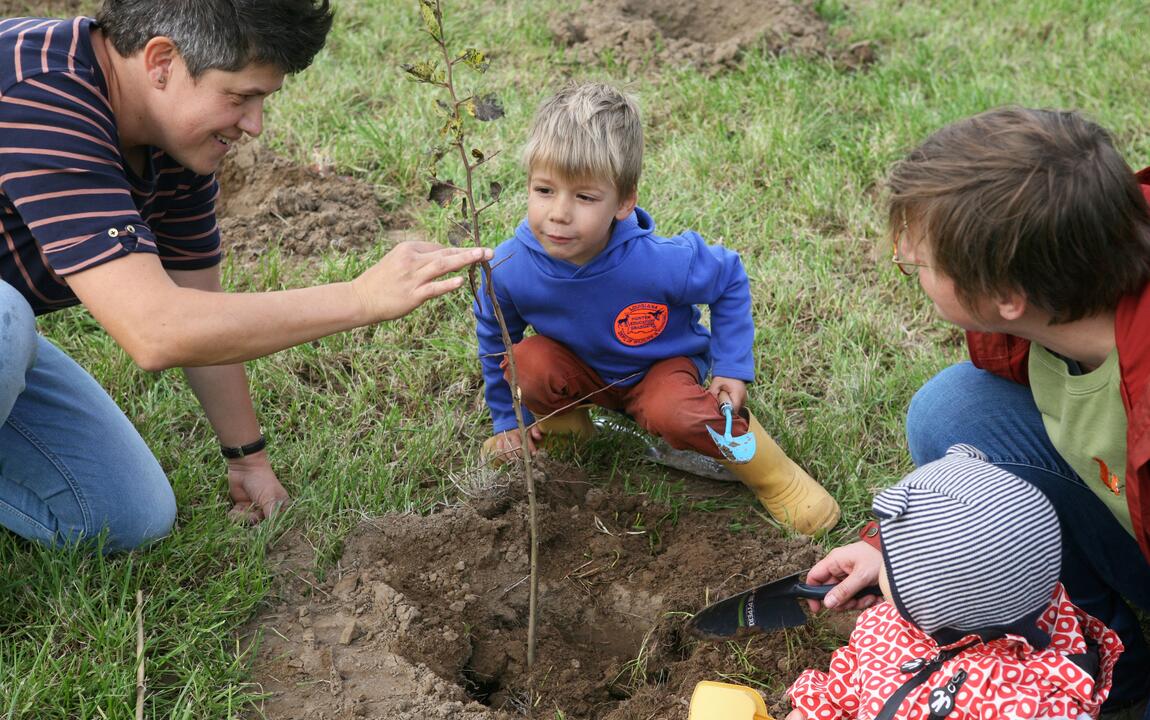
{"x": 1027, "y": 229}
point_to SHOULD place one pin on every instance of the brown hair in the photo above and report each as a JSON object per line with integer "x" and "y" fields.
{"x": 588, "y": 130}
{"x": 1036, "y": 201}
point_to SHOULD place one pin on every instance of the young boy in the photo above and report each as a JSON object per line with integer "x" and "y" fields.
{"x": 615, "y": 308}
{"x": 976, "y": 624}
{"x": 1027, "y": 229}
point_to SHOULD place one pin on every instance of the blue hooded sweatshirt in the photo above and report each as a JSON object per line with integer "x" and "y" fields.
{"x": 632, "y": 305}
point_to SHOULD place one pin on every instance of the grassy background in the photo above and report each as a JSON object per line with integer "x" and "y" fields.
{"x": 783, "y": 160}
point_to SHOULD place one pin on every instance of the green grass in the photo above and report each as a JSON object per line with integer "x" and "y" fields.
{"x": 783, "y": 160}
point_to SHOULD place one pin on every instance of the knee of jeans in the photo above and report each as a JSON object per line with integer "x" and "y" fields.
{"x": 934, "y": 411}
{"x": 17, "y": 335}
{"x": 148, "y": 519}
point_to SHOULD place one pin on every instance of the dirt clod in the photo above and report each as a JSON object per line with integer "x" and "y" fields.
{"x": 708, "y": 34}
{"x": 266, "y": 200}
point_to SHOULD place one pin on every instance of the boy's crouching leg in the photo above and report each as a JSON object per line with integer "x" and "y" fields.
{"x": 555, "y": 384}
{"x": 787, "y": 492}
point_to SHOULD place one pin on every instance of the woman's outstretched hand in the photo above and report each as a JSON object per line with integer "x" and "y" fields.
{"x": 410, "y": 274}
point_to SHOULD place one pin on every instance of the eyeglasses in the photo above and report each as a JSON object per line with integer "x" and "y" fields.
{"x": 906, "y": 267}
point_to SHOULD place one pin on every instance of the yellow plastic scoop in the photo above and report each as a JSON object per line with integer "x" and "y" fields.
{"x": 726, "y": 701}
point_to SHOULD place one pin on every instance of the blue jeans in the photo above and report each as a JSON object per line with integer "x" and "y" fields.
{"x": 72, "y": 466}
{"x": 1101, "y": 562}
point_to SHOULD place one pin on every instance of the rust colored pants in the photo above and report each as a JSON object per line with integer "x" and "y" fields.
{"x": 668, "y": 401}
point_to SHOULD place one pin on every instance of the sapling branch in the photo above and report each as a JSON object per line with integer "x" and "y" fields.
{"x": 444, "y": 192}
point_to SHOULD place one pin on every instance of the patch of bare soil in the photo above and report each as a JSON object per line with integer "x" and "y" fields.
{"x": 710, "y": 35}
{"x": 266, "y": 200}
{"x": 425, "y": 617}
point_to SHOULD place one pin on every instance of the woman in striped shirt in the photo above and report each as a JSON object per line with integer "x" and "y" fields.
{"x": 110, "y": 132}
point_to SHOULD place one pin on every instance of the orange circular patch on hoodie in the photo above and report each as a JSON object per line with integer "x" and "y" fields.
{"x": 640, "y": 323}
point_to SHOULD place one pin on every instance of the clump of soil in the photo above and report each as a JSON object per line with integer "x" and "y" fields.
{"x": 710, "y": 35}
{"x": 425, "y": 617}
{"x": 268, "y": 201}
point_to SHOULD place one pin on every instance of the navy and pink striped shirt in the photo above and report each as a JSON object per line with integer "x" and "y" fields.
{"x": 68, "y": 199}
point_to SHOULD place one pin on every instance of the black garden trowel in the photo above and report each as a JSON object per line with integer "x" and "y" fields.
{"x": 767, "y": 607}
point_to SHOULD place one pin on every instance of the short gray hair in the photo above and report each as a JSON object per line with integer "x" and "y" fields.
{"x": 588, "y": 130}
{"x": 222, "y": 34}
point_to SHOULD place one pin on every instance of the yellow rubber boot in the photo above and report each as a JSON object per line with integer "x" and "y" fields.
{"x": 788, "y": 493}
{"x": 575, "y": 422}
{"x": 573, "y": 426}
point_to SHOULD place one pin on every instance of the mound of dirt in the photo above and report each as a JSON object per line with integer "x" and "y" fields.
{"x": 708, "y": 34}
{"x": 266, "y": 200}
{"x": 426, "y": 617}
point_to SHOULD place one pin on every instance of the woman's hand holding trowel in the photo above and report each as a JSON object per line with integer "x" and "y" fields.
{"x": 851, "y": 568}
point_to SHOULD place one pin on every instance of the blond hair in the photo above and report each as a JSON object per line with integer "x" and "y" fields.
{"x": 588, "y": 130}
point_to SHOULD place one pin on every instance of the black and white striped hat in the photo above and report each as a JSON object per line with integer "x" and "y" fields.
{"x": 969, "y": 548}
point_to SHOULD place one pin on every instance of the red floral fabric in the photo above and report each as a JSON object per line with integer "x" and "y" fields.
{"x": 1006, "y": 678}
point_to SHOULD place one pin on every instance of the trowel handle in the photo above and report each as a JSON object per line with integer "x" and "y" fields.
{"x": 726, "y": 406}
{"x": 818, "y": 592}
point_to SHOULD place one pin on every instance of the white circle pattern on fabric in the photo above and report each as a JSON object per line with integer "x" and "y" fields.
{"x": 1005, "y": 677}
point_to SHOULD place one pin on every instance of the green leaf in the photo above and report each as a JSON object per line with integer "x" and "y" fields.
{"x": 422, "y": 71}
{"x": 436, "y": 154}
{"x": 432, "y": 19}
{"x": 453, "y": 129}
{"x": 475, "y": 59}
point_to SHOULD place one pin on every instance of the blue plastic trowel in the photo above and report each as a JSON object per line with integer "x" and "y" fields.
{"x": 737, "y": 450}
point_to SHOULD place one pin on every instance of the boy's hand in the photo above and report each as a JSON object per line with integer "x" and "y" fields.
{"x": 796, "y": 714}
{"x": 736, "y": 389}
{"x": 504, "y": 447}
{"x": 853, "y": 567}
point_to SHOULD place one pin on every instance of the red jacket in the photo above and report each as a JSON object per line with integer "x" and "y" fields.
{"x": 1006, "y": 678}
{"x": 1007, "y": 356}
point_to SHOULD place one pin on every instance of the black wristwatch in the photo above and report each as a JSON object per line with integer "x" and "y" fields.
{"x": 232, "y": 453}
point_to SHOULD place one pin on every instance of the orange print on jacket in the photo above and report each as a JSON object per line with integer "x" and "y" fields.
{"x": 640, "y": 323}
{"x": 1109, "y": 479}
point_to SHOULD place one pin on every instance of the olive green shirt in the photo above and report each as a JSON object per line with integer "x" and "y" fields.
{"x": 1086, "y": 421}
